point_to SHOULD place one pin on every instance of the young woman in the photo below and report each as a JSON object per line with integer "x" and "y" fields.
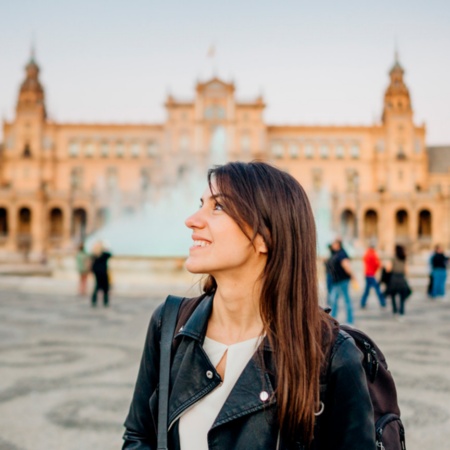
{"x": 398, "y": 288}
{"x": 246, "y": 370}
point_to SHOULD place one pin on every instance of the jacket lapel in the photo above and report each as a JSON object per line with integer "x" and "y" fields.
{"x": 252, "y": 392}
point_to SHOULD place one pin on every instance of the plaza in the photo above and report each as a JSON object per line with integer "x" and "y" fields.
{"x": 68, "y": 370}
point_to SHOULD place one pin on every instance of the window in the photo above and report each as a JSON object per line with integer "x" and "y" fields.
{"x": 293, "y": 150}
{"x": 76, "y": 178}
{"x": 309, "y": 151}
{"x": 354, "y": 151}
{"x": 120, "y": 149}
{"x": 352, "y": 180}
{"x": 89, "y": 151}
{"x": 215, "y": 112}
{"x": 145, "y": 178}
{"x": 277, "y": 150}
{"x": 324, "y": 151}
{"x": 417, "y": 146}
{"x": 74, "y": 148}
{"x": 104, "y": 149}
{"x": 339, "y": 151}
{"x": 135, "y": 149}
{"x": 317, "y": 179}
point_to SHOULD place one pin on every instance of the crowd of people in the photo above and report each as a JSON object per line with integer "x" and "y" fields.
{"x": 388, "y": 279}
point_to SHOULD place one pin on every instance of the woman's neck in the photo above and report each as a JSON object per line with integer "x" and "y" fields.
{"x": 235, "y": 316}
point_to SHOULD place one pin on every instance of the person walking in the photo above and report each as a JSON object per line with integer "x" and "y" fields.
{"x": 328, "y": 274}
{"x": 341, "y": 273}
{"x": 439, "y": 263}
{"x": 371, "y": 265}
{"x": 83, "y": 261}
{"x": 99, "y": 268}
{"x": 398, "y": 288}
{"x": 249, "y": 351}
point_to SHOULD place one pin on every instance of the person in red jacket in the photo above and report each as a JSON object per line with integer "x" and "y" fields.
{"x": 371, "y": 265}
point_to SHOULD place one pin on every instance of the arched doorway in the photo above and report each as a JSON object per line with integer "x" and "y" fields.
{"x": 402, "y": 226}
{"x": 348, "y": 224}
{"x": 424, "y": 225}
{"x": 24, "y": 240}
{"x": 3, "y": 222}
{"x": 56, "y": 225}
{"x": 79, "y": 222}
{"x": 424, "y": 228}
{"x": 371, "y": 225}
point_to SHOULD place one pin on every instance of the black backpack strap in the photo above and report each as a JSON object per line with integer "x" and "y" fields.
{"x": 169, "y": 319}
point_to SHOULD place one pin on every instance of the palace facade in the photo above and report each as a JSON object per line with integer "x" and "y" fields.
{"x": 61, "y": 181}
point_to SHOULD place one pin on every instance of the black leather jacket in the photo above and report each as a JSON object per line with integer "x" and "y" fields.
{"x": 245, "y": 422}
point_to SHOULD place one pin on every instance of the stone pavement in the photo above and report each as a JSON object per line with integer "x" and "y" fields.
{"x": 67, "y": 371}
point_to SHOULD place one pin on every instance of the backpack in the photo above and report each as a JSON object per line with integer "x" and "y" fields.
{"x": 389, "y": 429}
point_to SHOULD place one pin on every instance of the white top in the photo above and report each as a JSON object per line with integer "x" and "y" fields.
{"x": 197, "y": 420}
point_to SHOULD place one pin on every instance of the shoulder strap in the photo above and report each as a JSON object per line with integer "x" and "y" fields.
{"x": 169, "y": 318}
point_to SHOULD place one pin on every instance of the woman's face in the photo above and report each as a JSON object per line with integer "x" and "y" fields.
{"x": 219, "y": 245}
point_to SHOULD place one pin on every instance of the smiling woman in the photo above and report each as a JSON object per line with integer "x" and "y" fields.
{"x": 248, "y": 357}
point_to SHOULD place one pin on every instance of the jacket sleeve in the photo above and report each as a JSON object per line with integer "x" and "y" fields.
{"x": 351, "y": 419}
{"x": 140, "y": 431}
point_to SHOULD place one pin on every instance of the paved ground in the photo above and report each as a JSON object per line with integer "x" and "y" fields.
{"x": 67, "y": 371}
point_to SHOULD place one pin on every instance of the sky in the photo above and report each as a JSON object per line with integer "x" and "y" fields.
{"x": 322, "y": 62}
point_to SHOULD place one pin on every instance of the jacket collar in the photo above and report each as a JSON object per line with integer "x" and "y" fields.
{"x": 195, "y": 327}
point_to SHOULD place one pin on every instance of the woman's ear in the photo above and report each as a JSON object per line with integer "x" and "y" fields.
{"x": 260, "y": 244}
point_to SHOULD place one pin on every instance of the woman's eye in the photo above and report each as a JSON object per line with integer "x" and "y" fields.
{"x": 218, "y": 207}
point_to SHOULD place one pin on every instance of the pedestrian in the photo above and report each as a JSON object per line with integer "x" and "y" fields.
{"x": 246, "y": 364}
{"x": 341, "y": 273}
{"x": 371, "y": 265}
{"x": 83, "y": 261}
{"x": 99, "y": 268}
{"x": 328, "y": 274}
{"x": 398, "y": 288}
{"x": 439, "y": 263}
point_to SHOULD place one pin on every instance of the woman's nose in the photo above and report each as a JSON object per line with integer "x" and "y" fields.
{"x": 195, "y": 220}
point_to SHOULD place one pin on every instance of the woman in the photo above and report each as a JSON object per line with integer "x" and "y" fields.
{"x": 83, "y": 261}
{"x": 398, "y": 288}
{"x": 247, "y": 363}
{"x": 99, "y": 268}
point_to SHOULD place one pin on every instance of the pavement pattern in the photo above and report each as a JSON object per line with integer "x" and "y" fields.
{"x": 67, "y": 370}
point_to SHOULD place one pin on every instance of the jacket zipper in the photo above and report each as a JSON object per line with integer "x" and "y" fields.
{"x": 190, "y": 405}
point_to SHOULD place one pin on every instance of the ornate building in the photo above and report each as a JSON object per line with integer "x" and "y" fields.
{"x": 61, "y": 181}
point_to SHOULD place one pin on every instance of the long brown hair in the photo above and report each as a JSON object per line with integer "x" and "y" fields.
{"x": 276, "y": 207}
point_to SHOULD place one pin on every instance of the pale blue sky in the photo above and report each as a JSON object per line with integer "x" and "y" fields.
{"x": 323, "y": 62}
